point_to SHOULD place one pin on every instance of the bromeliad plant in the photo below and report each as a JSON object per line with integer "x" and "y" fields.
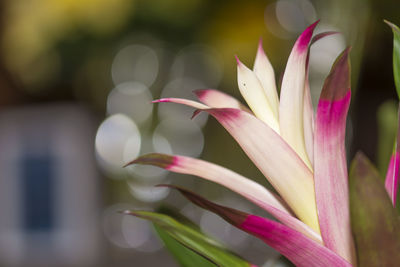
{"x": 303, "y": 158}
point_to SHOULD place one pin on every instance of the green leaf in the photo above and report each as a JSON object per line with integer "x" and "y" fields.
{"x": 387, "y": 129}
{"x": 183, "y": 255}
{"x": 193, "y": 239}
{"x": 374, "y": 221}
{"x": 396, "y": 55}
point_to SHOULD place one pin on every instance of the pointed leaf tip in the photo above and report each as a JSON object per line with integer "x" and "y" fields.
{"x": 361, "y": 165}
{"x": 217, "y": 99}
{"x": 156, "y": 159}
{"x": 181, "y": 101}
{"x": 260, "y": 46}
{"x": 200, "y": 92}
{"x": 158, "y": 101}
{"x": 264, "y": 71}
{"x": 195, "y": 113}
{"x": 238, "y": 61}
{"x": 304, "y": 39}
{"x": 337, "y": 84}
{"x": 291, "y": 106}
{"x": 321, "y": 35}
{"x": 234, "y": 217}
{"x": 396, "y": 55}
{"x": 253, "y": 92}
{"x": 392, "y": 25}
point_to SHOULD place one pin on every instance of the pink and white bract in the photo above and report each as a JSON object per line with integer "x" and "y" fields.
{"x": 303, "y": 157}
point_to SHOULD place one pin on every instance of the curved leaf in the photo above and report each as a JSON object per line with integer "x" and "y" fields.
{"x": 253, "y": 92}
{"x": 291, "y": 106}
{"x": 193, "y": 239}
{"x": 237, "y": 183}
{"x": 308, "y": 110}
{"x": 330, "y": 164}
{"x": 215, "y": 173}
{"x": 396, "y": 55}
{"x": 182, "y": 101}
{"x": 301, "y": 250}
{"x": 217, "y": 99}
{"x": 387, "y": 119}
{"x": 183, "y": 255}
{"x": 279, "y": 163}
{"x": 266, "y": 75}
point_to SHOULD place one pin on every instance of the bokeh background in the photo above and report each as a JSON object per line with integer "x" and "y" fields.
{"x": 76, "y": 81}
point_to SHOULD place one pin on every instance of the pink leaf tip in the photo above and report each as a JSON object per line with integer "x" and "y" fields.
{"x": 200, "y": 92}
{"x": 195, "y": 113}
{"x": 260, "y": 46}
{"x": 161, "y": 100}
{"x": 238, "y": 61}
{"x": 305, "y": 37}
{"x": 337, "y": 84}
{"x": 156, "y": 159}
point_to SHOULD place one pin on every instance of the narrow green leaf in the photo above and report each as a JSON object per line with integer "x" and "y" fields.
{"x": 299, "y": 249}
{"x": 387, "y": 129}
{"x": 193, "y": 239}
{"x": 396, "y": 55}
{"x": 374, "y": 221}
{"x": 183, "y": 255}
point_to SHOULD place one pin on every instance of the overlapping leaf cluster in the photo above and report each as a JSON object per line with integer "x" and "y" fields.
{"x": 326, "y": 217}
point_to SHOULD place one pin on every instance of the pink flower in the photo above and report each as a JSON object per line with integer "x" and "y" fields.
{"x": 302, "y": 157}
